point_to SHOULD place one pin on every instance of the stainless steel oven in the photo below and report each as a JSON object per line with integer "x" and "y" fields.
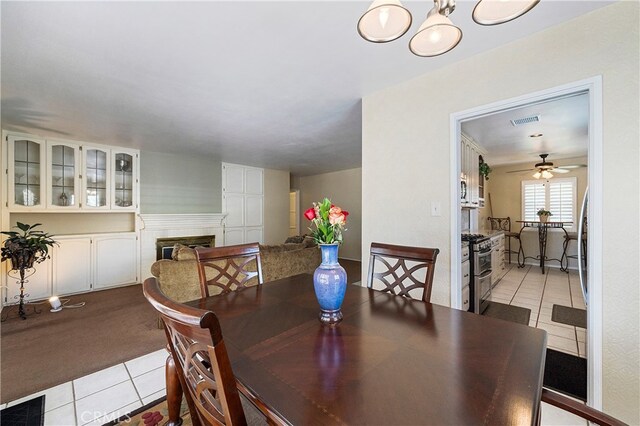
{"x": 480, "y": 246}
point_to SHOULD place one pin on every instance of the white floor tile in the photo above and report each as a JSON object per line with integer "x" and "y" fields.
{"x": 147, "y": 362}
{"x": 100, "y": 380}
{"x": 552, "y": 416}
{"x": 154, "y": 396}
{"x": 150, "y": 382}
{"x": 55, "y": 397}
{"x": 120, "y": 413}
{"x": 566, "y": 332}
{"x": 562, "y": 344}
{"x": 99, "y": 404}
{"x": 61, "y": 416}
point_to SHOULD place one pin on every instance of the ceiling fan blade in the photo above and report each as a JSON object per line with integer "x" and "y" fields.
{"x": 520, "y": 171}
{"x": 573, "y": 166}
{"x": 559, "y": 170}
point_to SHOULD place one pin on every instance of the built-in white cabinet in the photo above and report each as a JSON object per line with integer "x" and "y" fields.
{"x": 57, "y": 175}
{"x": 243, "y": 202}
{"x": 72, "y": 265}
{"x": 81, "y": 263}
{"x": 498, "y": 267}
{"x": 115, "y": 260}
{"x": 472, "y": 183}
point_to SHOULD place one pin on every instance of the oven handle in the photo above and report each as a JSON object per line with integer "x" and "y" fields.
{"x": 485, "y": 274}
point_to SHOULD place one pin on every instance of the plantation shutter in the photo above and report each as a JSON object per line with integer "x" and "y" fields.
{"x": 533, "y": 199}
{"x": 561, "y": 196}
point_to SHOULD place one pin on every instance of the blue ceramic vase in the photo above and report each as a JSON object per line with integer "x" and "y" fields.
{"x": 330, "y": 284}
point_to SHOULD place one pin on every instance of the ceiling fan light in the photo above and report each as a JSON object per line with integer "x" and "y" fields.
{"x": 436, "y": 35}
{"x": 494, "y": 12}
{"x": 546, "y": 174}
{"x": 537, "y": 174}
{"x": 384, "y": 21}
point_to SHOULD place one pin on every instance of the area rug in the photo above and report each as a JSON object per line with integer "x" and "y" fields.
{"x": 570, "y": 316}
{"x": 48, "y": 349}
{"x": 28, "y": 413}
{"x": 566, "y": 373}
{"x": 155, "y": 413}
{"x": 508, "y": 312}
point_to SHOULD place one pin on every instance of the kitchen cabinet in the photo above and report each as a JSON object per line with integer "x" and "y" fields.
{"x": 498, "y": 266}
{"x": 472, "y": 183}
{"x": 57, "y": 175}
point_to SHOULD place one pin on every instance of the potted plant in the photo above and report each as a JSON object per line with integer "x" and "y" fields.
{"x": 484, "y": 170}
{"x": 24, "y": 248}
{"x": 544, "y": 215}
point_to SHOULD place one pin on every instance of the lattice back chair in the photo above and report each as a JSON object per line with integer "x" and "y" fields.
{"x": 402, "y": 269}
{"x": 204, "y": 370}
{"x": 229, "y": 268}
{"x": 504, "y": 224}
{"x": 579, "y": 409}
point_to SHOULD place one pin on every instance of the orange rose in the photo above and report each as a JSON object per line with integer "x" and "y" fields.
{"x": 336, "y": 216}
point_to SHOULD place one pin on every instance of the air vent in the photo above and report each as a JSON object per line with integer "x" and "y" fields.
{"x": 526, "y": 120}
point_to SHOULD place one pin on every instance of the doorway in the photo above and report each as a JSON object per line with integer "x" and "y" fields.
{"x": 592, "y": 89}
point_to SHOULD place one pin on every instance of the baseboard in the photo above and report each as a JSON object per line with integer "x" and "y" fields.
{"x": 347, "y": 258}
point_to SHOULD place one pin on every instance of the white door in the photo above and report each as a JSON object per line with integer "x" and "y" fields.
{"x": 71, "y": 266}
{"x": 115, "y": 260}
{"x": 243, "y": 202}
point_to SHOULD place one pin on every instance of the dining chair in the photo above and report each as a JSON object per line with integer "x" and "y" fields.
{"x": 202, "y": 364}
{"x": 400, "y": 269}
{"x": 504, "y": 224}
{"x": 579, "y": 409}
{"x": 573, "y": 236}
{"x": 229, "y": 268}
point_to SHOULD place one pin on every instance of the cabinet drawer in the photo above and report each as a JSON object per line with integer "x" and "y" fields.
{"x": 466, "y": 277}
{"x": 465, "y": 298}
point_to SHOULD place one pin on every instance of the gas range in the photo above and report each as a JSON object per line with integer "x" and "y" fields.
{"x": 474, "y": 238}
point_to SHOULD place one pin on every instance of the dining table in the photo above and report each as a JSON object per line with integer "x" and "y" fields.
{"x": 392, "y": 360}
{"x": 542, "y": 228}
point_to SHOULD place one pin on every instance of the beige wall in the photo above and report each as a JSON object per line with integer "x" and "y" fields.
{"x": 171, "y": 183}
{"x": 406, "y": 136}
{"x": 276, "y": 206}
{"x": 506, "y": 196}
{"x": 344, "y": 189}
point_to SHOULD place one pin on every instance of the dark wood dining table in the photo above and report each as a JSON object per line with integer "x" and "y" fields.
{"x": 391, "y": 361}
{"x": 542, "y": 227}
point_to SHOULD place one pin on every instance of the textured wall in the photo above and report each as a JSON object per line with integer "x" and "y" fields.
{"x": 406, "y": 162}
{"x": 344, "y": 188}
{"x": 276, "y": 206}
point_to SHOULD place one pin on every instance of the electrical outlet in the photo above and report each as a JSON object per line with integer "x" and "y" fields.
{"x": 436, "y": 208}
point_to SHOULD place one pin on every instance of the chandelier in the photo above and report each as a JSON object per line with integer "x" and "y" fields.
{"x": 388, "y": 20}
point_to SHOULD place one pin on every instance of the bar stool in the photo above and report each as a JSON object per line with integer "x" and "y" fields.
{"x": 573, "y": 236}
{"x": 504, "y": 224}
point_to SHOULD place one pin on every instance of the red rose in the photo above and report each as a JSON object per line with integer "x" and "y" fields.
{"x": 345, "y": 213}
{"x": 310, "y": 213}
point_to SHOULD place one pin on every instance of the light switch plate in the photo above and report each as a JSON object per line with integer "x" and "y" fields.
{"x": 436, "y": 208}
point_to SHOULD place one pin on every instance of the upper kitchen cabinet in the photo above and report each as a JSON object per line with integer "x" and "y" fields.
{"x": 124, "y": 179}
{"x": 26, "y": 172}
{"x": 472, "y": 182}
{"x": 55, "y": 175}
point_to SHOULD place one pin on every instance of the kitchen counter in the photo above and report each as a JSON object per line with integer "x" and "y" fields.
{"x": 492, "y": 233}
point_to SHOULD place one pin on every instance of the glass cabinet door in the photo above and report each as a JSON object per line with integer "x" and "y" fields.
{"x": 124, "y": 180}
{"x": 26, "y": 162}
{"x": 63, "y": 174}
{"x": 96, "y": 177}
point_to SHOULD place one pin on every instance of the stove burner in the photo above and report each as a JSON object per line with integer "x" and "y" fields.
{"x": 473, "y": 237}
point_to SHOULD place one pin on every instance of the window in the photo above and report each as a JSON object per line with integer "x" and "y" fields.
{"x": 557, "y": 195}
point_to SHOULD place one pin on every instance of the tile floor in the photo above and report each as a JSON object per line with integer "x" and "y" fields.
{"x": 529, "y": 288}
{"x": 110, "y": 393}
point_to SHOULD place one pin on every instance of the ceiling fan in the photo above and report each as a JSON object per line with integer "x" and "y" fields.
{"x": 544, "y": 168}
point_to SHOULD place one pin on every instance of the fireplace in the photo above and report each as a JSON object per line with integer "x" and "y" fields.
{"x": 164, "y": 246}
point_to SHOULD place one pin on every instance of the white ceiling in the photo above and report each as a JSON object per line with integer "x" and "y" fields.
{"x": 270, "y": 84}
{"x": 564, "y": 125}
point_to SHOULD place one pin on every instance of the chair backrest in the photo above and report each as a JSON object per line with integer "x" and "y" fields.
{"x": 198, "y": 350}
{"x": 400, "y": 268}
{"x": 579, "y": 409}
{"x": 500, "y": 223}
{"x": 230, "y": 268}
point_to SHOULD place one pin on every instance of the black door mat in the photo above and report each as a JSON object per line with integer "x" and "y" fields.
{"x": 566, "y": 374}
{"x": 28, "y": 413}
{"x": 570, "y": 316}
{"x": 508, "y": 312}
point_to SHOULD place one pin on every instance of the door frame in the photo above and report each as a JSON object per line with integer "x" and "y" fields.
{"x": 592, "y": 86}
